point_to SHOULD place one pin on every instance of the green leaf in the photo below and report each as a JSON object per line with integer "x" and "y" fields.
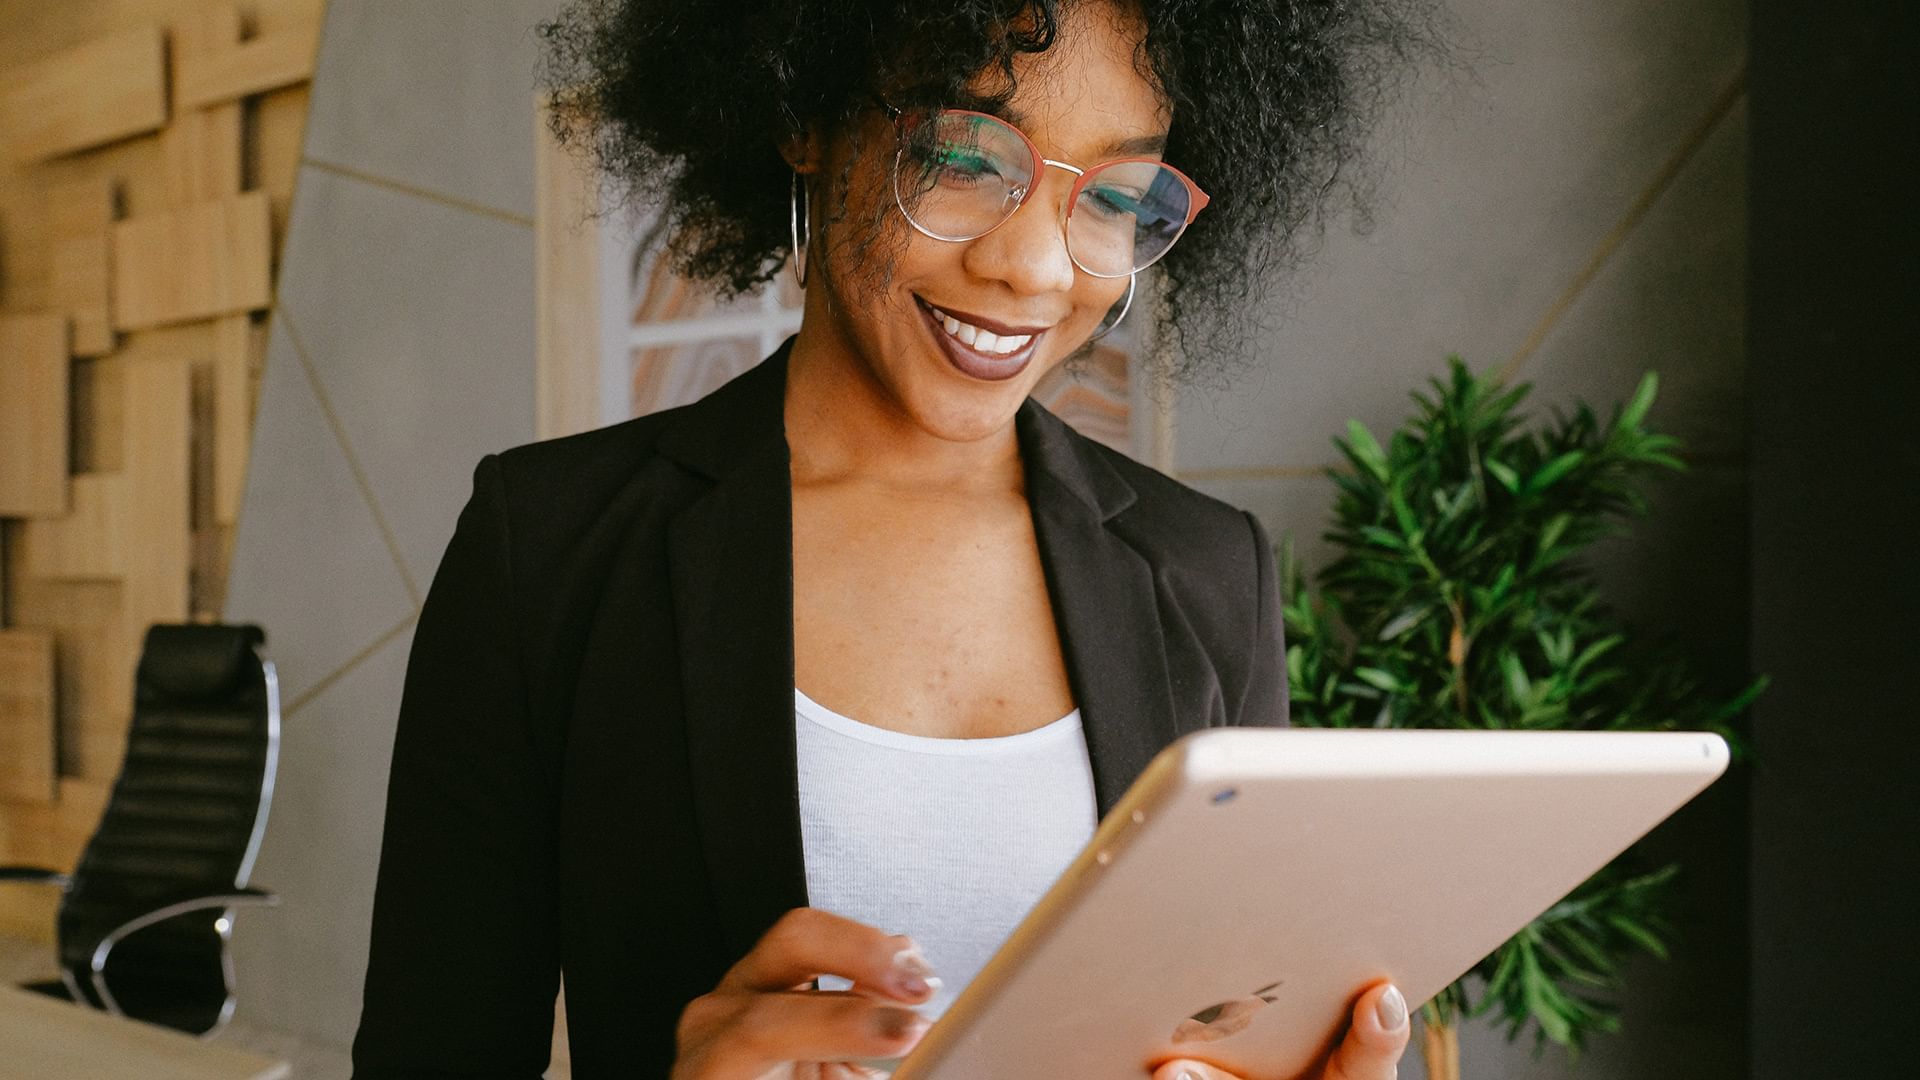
{"x": 1519, "y": 687}
{"x": 1636, "y": 409}
{"x": 1507, "y": 477}
{"x": 1640, "y": 935}
{"x": 1365, "y": 450}
{"x": 1552, "y": 471}
{"x": 1376, "y": 677}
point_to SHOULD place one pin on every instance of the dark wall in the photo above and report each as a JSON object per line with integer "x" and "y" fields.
{"x": 1834, "y": 385}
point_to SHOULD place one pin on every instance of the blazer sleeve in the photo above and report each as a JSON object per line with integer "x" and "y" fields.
{"x": 1265, "y": 702}
{"x": 463, "y": 966}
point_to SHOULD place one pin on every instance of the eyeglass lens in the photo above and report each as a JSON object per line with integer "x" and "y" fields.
{"x": 958, "y": 175}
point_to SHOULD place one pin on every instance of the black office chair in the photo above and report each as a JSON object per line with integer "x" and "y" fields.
{"x": 146, "y": 916}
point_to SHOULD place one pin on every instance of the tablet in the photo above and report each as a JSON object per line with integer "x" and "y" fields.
{"x": 1287, "y": 869}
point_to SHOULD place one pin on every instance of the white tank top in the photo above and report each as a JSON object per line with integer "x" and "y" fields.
{"x": 949, "y": 840}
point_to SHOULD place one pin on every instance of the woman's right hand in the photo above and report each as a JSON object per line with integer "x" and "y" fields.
{"x": 763, "y": 1022}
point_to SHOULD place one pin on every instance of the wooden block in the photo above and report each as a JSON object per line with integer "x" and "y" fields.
{"x": 83, "y": 287}
{"x": 27, "y": 765}
{"x": 202, "y": 149}
{"x": 158, "y": 470}
{"x": 95, "y": 668}
{"x": 213, "y": 65}
{"x": 90, "y": 543}
{"x": 282, "y": 123}
{"x": 107, "y": 89}
{"x": 82, "y": 207}
{"x": 80, "y": 218}
{"x": 33, "y": 415}
{"x": 233, "y": 354}
{"x": 99, "y": 399}
{"x": 202, "y": 261}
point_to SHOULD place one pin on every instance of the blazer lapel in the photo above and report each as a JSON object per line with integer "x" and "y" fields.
{"x": 1104, "y": 601}
{"x": 731, "y": 559}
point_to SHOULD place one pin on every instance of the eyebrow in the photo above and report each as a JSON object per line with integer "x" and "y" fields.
{"x": 1131, "y": 146}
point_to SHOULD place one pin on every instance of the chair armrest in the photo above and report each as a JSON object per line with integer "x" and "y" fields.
{"x": 238, "y": 897}
{"x": 33, "y": 875}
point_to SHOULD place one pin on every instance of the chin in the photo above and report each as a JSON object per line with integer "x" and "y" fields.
{"x": 964, "y": 415}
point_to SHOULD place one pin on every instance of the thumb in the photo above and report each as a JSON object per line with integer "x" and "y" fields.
{"x": 1376, "y": 1039}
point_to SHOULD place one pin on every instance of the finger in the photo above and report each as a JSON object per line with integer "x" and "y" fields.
{"x": 807, "y": 942}
{"x": 1183, "y": 1069}
{"x": 779, "y": 1028}
{"x": 1376, "y": 1038}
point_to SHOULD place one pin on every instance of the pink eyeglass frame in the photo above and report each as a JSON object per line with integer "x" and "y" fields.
{"x": 1197, "y": 199}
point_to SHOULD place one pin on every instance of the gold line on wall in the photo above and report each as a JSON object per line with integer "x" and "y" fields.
{"x": 1663, "y": 179}
{"x": 346, "y": 450}
{"x": 418, "y": 192}
{"x": 349, "y": 664}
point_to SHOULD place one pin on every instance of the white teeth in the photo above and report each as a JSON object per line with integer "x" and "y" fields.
{"x": 978, "y": 339}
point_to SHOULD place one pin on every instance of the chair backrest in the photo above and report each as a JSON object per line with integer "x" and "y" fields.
{"x": 184, "y": 820}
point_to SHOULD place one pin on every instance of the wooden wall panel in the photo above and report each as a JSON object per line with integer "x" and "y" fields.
{"x": 106, "y": 89}
{"x": 50, "y": 834}
{"x": 90, "y": 542}
{"x": 202, "y": 149}
{"x": 79, "y": 220}
{"x": 33, "y": 415}
{"x": 202, "y": 261}
{"x": 282, "y": 126}
{"x": 234, "y": 347}
{"x": 27, "y": 766}
{"x": 159, "y": 410}
{"x": 99, "y": 392}
{"x": 212, "y": 65}
{"x": 94, "y": 672}
{"x": 145, "y": 229}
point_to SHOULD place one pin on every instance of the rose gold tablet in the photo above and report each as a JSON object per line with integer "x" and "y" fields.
{"x": 1252, "y": 880}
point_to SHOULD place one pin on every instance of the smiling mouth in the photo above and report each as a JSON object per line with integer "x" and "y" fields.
{"x": 991, "y": 352}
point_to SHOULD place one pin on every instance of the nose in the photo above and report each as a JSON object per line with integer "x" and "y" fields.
{"x": 1029, "y": 250}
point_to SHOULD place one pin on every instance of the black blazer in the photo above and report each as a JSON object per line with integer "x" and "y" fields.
{"x": 595, "y": 768}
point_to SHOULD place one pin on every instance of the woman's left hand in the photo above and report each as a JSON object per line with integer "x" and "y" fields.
{"x": 1371, "y": 1051}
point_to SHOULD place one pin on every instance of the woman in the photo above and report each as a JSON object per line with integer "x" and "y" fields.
{"x": 627, "y": 744}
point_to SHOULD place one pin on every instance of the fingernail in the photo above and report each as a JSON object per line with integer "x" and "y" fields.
{"x": 1392, "y": 1008}
{"x": 1189, "y": 1074}
{"x": 912, "y": 974}
{"x": 895, "y": 1023}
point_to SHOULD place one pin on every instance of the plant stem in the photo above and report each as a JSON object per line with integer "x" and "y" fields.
{"x": 1440, "y": 1049}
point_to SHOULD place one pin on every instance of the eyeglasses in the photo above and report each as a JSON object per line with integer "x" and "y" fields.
{"x": 958, "y": 175}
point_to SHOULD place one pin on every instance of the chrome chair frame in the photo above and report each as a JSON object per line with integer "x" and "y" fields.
{"x": 242, "y": 894}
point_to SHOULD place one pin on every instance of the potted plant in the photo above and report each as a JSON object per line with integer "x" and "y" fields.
{"x": 1457, "y": 600}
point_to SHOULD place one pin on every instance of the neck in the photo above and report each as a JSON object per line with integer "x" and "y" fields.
{"x": 844, "y": 425}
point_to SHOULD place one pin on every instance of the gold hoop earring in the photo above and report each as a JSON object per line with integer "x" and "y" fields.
{"x": 795, "y": 199}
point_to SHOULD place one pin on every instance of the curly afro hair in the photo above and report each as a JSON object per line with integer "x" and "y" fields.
{"x": 685, "y": 105}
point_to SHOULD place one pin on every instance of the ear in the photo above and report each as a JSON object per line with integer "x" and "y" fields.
{"x": 801, "y": 150}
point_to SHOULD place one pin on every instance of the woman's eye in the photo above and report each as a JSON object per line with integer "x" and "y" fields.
{"x": 963, "y": 163}
{"x": 1114, "y": 202}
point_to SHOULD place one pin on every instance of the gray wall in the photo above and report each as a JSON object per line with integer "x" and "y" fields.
{"x": 1583, "y": 192}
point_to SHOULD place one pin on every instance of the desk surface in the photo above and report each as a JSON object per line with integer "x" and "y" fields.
{"x": 42, "y": 1038}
